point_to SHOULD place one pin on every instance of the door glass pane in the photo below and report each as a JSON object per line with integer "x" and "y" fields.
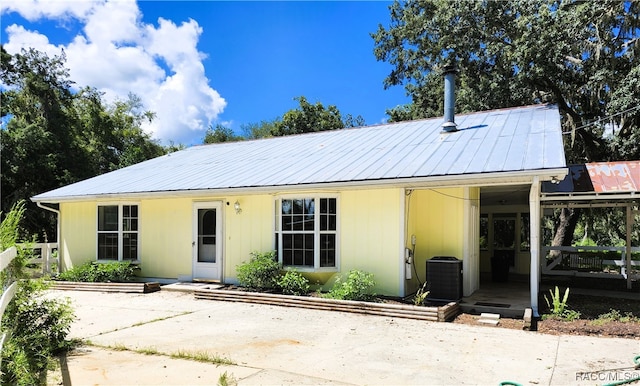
{"x": 504, "y": 233}
{"x": 525, "y": 234}
{"x": 484, "y": 232}
{"x": 207, "y": 235}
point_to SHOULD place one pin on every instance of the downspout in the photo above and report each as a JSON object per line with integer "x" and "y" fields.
{"x": 57, "y": 212}
{"x": 534, "y": 228}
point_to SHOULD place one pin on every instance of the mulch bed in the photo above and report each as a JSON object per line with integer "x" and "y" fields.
{"x": 590, "y": 308}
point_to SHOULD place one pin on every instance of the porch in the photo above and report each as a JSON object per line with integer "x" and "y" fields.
{"x": 508, "y": 299}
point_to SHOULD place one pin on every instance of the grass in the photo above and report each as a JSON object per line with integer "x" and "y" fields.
{"x": 201, "y": 356}
{"x": 615, "y": 316}
{"x": 227, "y": 379}
{"x": 198, "y": 356}
{"x": 160, "y": 319}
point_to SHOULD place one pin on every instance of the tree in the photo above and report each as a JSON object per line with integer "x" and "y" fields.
{"x": 263, "y": 129}
{"x": 220, "y": 134}
{"x": 309, "y": 118}
{"x": 53, "y": 136}
{"x": 581, "y": 55}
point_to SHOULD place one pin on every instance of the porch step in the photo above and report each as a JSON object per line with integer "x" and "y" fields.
{"x": 504, "y": 312}
{"x": 487, "y": 318}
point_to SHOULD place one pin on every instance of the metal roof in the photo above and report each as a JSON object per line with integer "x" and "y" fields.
{"x": 507, "y": 140}
{"x": 599, "y": 177}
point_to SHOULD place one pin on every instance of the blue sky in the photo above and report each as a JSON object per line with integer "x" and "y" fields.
{"x": 202, "y": 63}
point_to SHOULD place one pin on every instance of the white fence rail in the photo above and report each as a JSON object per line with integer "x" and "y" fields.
{"x": 7, "y": 293}
{"x": 585, "y": 258}
{"x": 47, "y": 255}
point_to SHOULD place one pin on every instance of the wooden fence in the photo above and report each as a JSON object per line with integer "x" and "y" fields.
{"x": 10, "y": 289}
{"x": 47, "y": 255}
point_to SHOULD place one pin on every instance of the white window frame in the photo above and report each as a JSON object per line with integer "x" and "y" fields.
{"x": 316, "y": 232}
{"x": 120, "y": 230}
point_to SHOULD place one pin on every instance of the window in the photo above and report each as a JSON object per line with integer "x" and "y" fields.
{"x": 484, "y": 232}
{"x": 118, "y": 232}
{"x": 525, "y": 234}
{"x": 306, "y": 232}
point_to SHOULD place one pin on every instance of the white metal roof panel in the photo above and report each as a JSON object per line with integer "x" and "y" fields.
{"x": 507, "y": 140}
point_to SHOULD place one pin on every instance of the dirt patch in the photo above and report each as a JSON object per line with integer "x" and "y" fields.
{"x": 625, "y": 323}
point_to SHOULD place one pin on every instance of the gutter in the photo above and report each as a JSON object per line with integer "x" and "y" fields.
{"x": 471, "y": 180}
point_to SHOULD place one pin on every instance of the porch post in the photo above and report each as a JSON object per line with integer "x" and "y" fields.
{"x": 534, "y": 229}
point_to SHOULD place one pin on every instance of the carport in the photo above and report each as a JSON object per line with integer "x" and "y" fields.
{"x": 595, "y": 185}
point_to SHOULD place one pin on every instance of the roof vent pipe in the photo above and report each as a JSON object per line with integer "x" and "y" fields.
{"x": 449, "y": 124}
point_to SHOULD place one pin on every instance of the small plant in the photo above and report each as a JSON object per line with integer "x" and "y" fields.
{"x": 615, "y": 316}
{"x": 261, "y": 272}
{"x": 570, "y": 315}
{"x": 358, "y": 286}
{"x": 293, "y": 283}
{"x": 421, "y": 296}
{"x": 227, "y": 380}
{"x": 93, "y": 272}
{"x": 558, "y": 307}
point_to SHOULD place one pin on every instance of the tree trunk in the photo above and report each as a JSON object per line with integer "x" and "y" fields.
{"x": 566, "y": 225}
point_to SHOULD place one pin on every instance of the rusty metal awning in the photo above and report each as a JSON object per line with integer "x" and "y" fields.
{"x": 599, "y": 177}
{"x": 597, "y": 181}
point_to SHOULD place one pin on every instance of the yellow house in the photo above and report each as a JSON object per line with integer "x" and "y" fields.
{"x": 384, "y": 199}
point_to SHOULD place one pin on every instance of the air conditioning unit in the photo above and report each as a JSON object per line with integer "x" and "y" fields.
{"x": 444, "y": 278}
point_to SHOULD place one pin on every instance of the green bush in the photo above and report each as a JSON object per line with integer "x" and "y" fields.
{"x": 37, "y": 327}
{"x": 93, "y": 272}
{"x": 261, "y": 272}
{"x": 293, "y": 283}
{"x": 358, "y": 286}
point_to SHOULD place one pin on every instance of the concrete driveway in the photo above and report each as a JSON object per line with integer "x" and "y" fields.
{"x": 280, "y": 345}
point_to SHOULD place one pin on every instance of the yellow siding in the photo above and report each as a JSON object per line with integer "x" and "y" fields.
{"x": 370, "y": 224}
{"x": 165, "y": 237}
{"x": 370, "y": 227}
{"x": 436, "y": 218}
{"x": 78, "y": 228}
{"x": 251, "y": 230}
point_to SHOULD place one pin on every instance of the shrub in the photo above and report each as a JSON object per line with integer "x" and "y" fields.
{"x": 261, "y": 272}
{"x": 37, "y": 327}
{"x": 293, "y": 283}
{"x": 358, "y": 286}
{"x": 93, "y": 272}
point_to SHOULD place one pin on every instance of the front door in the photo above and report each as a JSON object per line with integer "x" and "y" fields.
{"x": 504, "y": 245}
{"x": 207, "y": 243}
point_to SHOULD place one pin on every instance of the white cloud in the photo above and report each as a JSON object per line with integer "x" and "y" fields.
{"x": 33, "y": 10}
{"x": 119, "y": 54}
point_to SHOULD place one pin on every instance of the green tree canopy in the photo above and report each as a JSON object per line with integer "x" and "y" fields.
{"x": 309, "y": 118}
{"x": 220, "y": 134}
{"x": 306, "y": 118}
{"x": 581, "y": 55}
{"x": 52, "y": 136}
